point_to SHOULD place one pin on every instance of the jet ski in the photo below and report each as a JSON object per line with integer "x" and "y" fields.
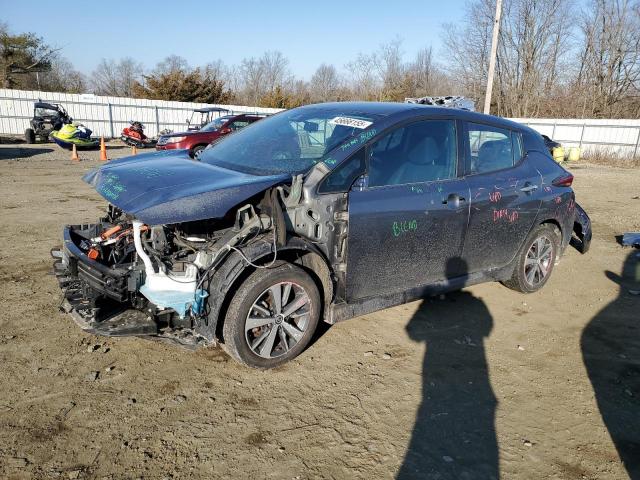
{"x": 74, "y": 134}
{"x": 134, "y": 136}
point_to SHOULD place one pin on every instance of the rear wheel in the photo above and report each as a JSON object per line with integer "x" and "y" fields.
{"x": 271, "y": 317}
{"x": 535, "y": 260}
{"x": 30, "y": 136}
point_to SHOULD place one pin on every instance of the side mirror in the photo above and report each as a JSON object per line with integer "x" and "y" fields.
{"x": 225, "y": 131}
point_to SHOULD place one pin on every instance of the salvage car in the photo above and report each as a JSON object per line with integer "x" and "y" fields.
{"x": 323, "y": 212}
{"x": 195, "y": 141}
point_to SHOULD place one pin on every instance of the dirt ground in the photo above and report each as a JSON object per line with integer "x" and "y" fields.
{"x": 479, "y": 384}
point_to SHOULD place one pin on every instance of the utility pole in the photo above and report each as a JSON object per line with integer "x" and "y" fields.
{"x": 492, "y": 59}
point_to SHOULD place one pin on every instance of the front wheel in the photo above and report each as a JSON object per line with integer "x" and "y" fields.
{"x": 29, "y": 136}
{"x": 535, "y": 260}
{"x": 196, "y": 151}
{"x": 271, "y": 317}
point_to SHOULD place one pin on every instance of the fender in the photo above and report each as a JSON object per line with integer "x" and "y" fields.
{"x": 234, "y": 267}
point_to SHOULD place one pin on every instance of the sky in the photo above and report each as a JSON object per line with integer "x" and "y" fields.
{"x": 308, "y": 33}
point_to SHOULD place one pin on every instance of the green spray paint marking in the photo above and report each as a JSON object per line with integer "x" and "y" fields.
{"x": 149, "y": 172}
{"x": 364, "y": 136}
{"x": 330, "y": 161}
{"x": 349, "y": 144}
{"x": 400, "y": 228}
{"x": 111, "y": 187}
{"x": 359, "y": 140}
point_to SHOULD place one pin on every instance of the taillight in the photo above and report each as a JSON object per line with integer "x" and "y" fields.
{"x": 563, "y": 181}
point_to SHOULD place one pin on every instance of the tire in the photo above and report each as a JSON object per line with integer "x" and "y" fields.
{"x": 263, "y": 347}
{"x": 534, "y": 275}
{"x": 196, "y": 151}
{"x": 30, "y": 136}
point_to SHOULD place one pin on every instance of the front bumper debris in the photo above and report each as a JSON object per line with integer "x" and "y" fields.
{"x": 582, "y": 230}
{"x": 103, "y": 300}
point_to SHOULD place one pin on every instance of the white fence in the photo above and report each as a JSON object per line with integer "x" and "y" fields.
{"x": 621, "y": 137}
{"x": 105, "y": 116}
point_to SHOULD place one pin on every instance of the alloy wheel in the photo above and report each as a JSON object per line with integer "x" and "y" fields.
{"x": 538, "y": 262}
{"x": 277, "y": 320}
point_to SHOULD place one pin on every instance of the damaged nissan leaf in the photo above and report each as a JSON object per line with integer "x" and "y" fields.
{"x": 323, "y": 212}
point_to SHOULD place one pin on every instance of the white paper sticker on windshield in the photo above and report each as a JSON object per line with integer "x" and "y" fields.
{"x": 350, "y": 122}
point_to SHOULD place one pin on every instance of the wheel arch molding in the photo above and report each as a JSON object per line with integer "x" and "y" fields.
{"x": 223, "y": 283}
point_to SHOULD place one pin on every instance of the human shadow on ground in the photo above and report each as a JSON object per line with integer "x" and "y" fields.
{"x": 454, "y": 436}
{"x": 611, "y": 352}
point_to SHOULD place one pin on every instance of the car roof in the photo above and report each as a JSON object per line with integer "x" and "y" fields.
{"x": 384, "y": 109}
{"x": 210, "y": 109}
{"x": 48, "y": 106}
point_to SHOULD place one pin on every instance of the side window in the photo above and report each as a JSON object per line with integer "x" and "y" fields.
{"x": 343, "y": 176}
{"x": 424, "y": 151}
{"x": 518, "y": 151}
{"x": 491, "y": 148}
{"x": 238, "y": 124}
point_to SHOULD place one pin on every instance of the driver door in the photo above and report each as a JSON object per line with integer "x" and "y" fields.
{"x": 407, "y": 224}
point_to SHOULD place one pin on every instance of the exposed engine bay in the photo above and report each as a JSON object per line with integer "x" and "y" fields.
{"x": 122, "y": 277}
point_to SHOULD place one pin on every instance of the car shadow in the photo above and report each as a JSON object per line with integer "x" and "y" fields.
{"x": 454, "y": 435}
{"x": 611, "y": 352}
{"x": 12, "y": 153}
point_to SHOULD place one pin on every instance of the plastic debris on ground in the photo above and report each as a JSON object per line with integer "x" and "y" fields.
{"x": 631, "y": 239}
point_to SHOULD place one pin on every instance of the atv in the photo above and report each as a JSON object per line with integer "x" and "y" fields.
{"x": 47, "y": 117}
{"x": 202, "y": 116}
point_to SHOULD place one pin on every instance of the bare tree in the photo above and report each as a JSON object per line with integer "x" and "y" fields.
{"x": 63, "y": 77}
{"x": 364, "y": 82}
{"x": 325, "y": 83}
{"x": 171, "y": 64}
{"x": 116, "y": 78}
{"x": 532, "y": 43}
{"x": 253, "y": 82}
{"x": 609, "y": 70}
{"x": 275, "y": 67}
{"x": 391, "y": 70}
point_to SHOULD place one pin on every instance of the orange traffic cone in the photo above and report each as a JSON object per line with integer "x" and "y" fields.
{"x": 134, "y": 150}
{"x": 103, "y": 150}
{"x": 74, "y": 154}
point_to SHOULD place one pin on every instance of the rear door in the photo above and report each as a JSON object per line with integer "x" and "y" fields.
{"x": 505, "y": 195}
{"x": 407, "y": 222}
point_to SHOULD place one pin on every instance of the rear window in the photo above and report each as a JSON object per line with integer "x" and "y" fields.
{"x": 491, "y": 148}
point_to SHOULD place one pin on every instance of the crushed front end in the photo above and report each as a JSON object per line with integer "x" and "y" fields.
{"x": 120, "y": 277}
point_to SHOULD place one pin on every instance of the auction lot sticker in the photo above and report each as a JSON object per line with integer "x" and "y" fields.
{"x": 350, "y": 122}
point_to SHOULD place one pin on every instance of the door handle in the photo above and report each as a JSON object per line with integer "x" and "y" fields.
{"x": 528, "y": 188}
{"x": 453, "y": 199}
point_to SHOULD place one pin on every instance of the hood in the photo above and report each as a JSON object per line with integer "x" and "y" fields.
{"x": 179, "y": 134}
{"x": 169, "y": 187}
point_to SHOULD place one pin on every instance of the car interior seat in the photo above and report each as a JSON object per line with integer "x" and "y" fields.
{"x": 494, "y": 155}
{"x": 422, "y": 163}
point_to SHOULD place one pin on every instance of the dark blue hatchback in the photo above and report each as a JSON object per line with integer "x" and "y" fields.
{"x": 326, "y": 212}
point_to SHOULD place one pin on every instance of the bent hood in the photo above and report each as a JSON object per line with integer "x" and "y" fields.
{"x": 169, "y": 187}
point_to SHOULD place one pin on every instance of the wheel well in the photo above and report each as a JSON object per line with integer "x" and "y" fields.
{"x": 313, "y": 263}
{"x": 553, "y": 222}
{"x": 193, "y": 147}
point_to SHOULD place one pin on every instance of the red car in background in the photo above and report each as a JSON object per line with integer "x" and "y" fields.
{"x": 197, "y": 140}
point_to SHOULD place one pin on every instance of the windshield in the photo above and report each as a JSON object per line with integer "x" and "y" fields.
{"x": 289, "y": 142}
{"x": 216, "y": 124}
{"x": 45, "y": 112}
